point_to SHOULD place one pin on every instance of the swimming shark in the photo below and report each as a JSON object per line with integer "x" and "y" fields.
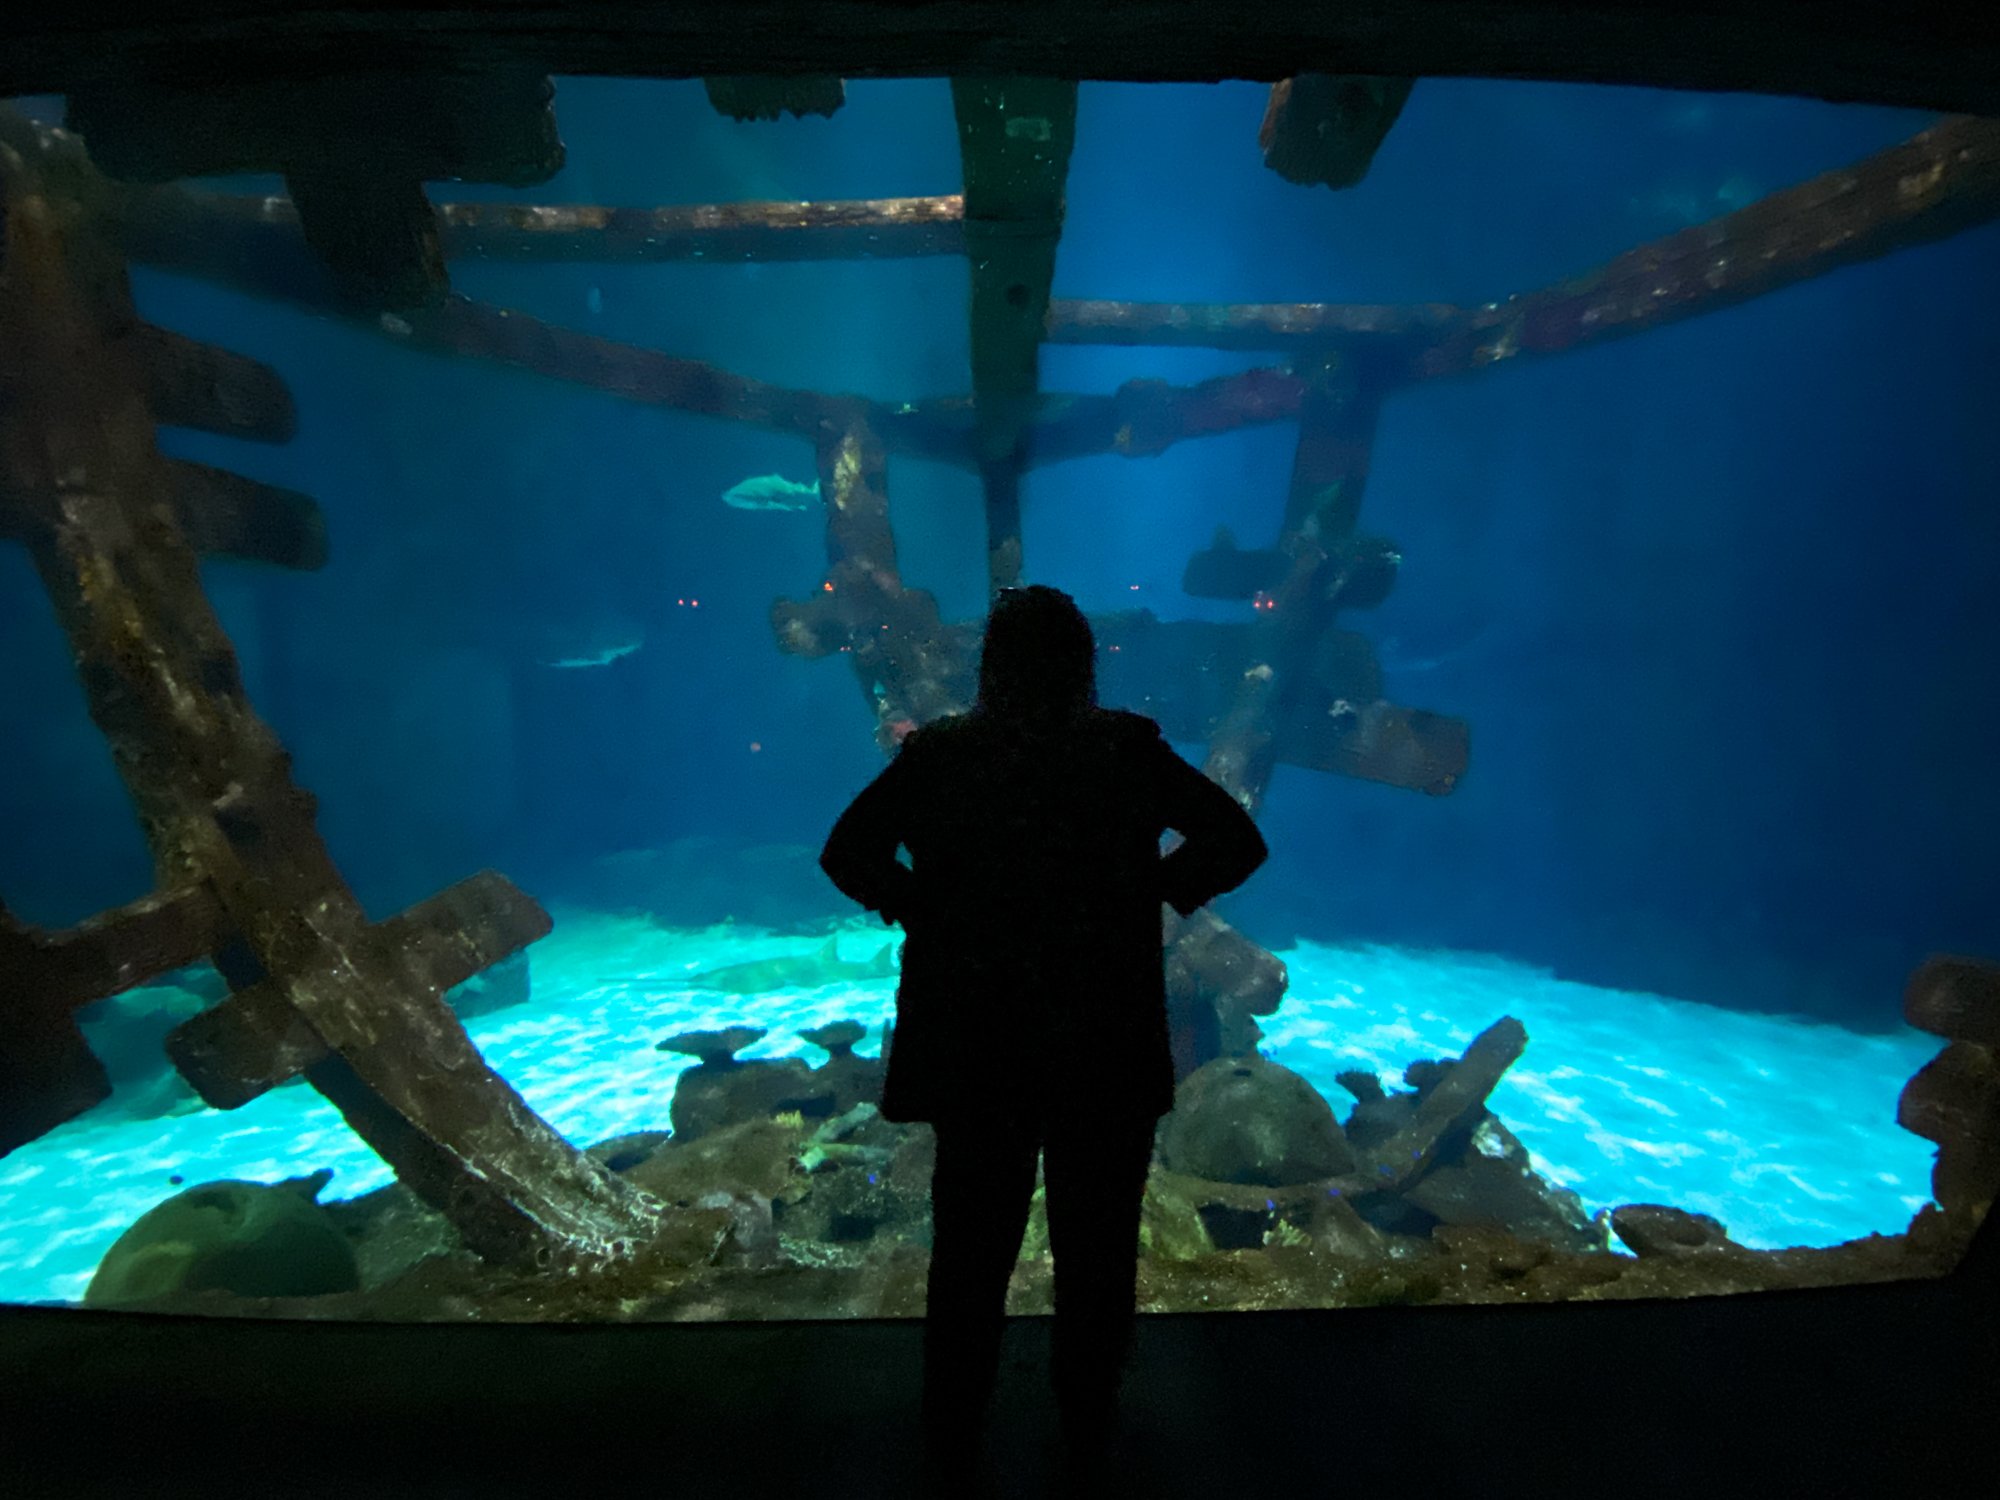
{"x": 799, "y": 971}
{"x": 603, "y": 658}
{"x": 771, "y": 492}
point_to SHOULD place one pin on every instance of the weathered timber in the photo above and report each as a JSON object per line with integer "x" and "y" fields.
{"x": 911, "y": 666}
{"x": 222, "y": 515}
{"x": 1935, "y": 54}
{"x": 1143, "y": 418}
{"x": 48, "y": 1073}
{"x": 474, "y": 329}
{"x": 1453, "y": 1102}
{"x": 764, "y": 96}
{"x": 1955, "y": 998}
{"x": 212, "y": 785}
{"x": 225, "y": 515}
{"x": 236, "y": 238}
{"x": 1380, "y": 741}
{"x": 1339, "y": 404}
{"x": 1323, "y": 129}
{"x": 1183, "y": 673}
{"x": 1246, "y": 325}
{"x": 1935, "y": 184}
{"x": 374, "y": 231}
{"x": 1014, "y": 139}
{"x": 191, "y": 384}
{"x": 1337, "y": 417}
{"x": 256, "y": 1040}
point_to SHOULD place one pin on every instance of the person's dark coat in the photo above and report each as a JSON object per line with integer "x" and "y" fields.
{"x": 1032, "y": 971}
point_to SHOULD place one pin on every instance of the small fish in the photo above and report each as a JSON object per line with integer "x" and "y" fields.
{"x": 602, "y": 658}
{"x": 799, "y": 971}
{"x": 772, "y": 492}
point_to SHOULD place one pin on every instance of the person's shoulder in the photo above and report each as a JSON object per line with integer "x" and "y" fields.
{"x": 1126, "y": 727}
{"x": 935, "y": 734}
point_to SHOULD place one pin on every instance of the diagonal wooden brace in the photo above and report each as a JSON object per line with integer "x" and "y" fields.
{"x": 212, "y": 785}
{"x": 256, "y": 1039}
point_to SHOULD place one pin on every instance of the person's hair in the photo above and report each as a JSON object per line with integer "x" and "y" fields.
{"x": 1040, "y": 658}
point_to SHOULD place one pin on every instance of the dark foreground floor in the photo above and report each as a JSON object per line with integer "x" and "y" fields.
{"x": 1867, "y": 1391}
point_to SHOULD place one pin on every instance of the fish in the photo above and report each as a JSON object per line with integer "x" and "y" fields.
{"x": 601, "y": 658}
{"x": 799, "y": 971}
{"x": 771, "y": 492}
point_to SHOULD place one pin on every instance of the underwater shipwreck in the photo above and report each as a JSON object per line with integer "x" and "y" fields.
{"x": 773, "y": 1188}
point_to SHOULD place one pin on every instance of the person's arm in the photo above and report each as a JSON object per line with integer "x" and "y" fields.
{"x": 860, "y": 853}
{"x": 1220, "y": 845}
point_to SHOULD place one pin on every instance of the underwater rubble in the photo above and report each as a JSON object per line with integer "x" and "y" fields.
{"x": 788, "y": 1195}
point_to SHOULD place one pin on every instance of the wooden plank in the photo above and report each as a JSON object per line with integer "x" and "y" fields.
{"x": 1323, "y": 129}
{"x": 254, "y": 242}
{"x": 1931, "y": 54}
{"x": 911, "y": 666}
{"x": 1146, "y": 417}
{"x": 212, "y": 785}
{"x": 1935, "y": 184}
{"x": 225, "y": 515}
{"x": 192, "y": 384}
{"x": 256, "y": 1039}
{"x": 1409, "y": 748}
{"x": 375, "y": 232}
{"x": 48, "y": 1073}
{"x": 1245, "y": 325}
{"x": 1014, "y": 138}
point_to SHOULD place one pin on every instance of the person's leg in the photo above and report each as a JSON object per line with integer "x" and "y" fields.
{"x": 1096, "y": 1183}
{"x": 980, "y": 1194}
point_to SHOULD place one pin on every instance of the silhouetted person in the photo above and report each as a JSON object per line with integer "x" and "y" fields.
{"x": 1032, "y": 1011}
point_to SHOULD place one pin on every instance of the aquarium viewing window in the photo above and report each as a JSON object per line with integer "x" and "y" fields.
{"x": 1605, "y": 1010}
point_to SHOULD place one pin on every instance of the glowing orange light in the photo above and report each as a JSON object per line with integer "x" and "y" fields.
{"x": 828, "y": 585}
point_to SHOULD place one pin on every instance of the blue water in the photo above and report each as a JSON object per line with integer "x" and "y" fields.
{"x": 1783, "y": 1129}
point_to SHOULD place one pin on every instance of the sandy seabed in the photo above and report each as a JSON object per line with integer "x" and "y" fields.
{"x": 1783, "y": 1129}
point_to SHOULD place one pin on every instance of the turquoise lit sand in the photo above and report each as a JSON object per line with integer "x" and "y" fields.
{"x": 1782, "y": 1129}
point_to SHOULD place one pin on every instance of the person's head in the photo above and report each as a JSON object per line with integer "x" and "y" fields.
{"x": 1040, "y": 658}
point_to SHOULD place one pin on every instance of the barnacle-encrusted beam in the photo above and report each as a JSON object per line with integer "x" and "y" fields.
{"x": 1014, "y": 140}
{"x": 911, "y": 666}
{"x": 213, "y": 790}
{"x": 253, "y": 241}
{"x": 1933, "y": 185}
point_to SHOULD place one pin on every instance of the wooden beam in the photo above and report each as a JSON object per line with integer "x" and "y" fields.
{"x": 235, "y": 237}
{"x": 1323, "y": 129}
{"x": 191, "y": 384}
{"x": 256, "y": 1039}
{"x": 764, "y": 96}
{"x": 911, "y": 666}
{"x": 48, "y": 1073}
{"x": 1932, "y": 53}
{"x": 1014, "y": 137}
{"x": 1245, "y": 325}
{"x": 1933, "y": 185}
{"x": 212, "y": 785}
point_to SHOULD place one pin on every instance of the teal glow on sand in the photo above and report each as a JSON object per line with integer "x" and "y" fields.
{"x": 1783, "y": 1129}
